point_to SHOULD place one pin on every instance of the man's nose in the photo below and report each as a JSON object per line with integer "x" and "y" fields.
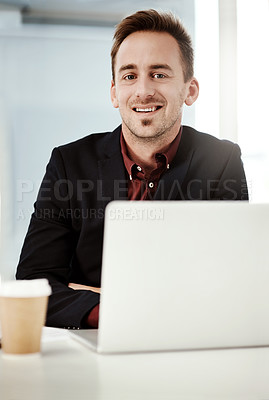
{"x": 144, "y": 87}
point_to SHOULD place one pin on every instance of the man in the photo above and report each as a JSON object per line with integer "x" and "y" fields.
{"x": 151, "y": 156}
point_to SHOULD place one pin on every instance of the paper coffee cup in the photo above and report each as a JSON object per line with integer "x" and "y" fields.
{"x": 23, "y": 307}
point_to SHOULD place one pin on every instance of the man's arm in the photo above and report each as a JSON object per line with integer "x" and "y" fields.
{"x": 49, "y": 249}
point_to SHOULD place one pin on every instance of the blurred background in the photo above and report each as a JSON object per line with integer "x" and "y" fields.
{"x": 55, "y": 80}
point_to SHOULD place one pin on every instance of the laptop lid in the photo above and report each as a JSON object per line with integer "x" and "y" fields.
{"x": 184, "y": 275}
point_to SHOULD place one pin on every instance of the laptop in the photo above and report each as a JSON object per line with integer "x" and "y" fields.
{"x": 183, "y": 275}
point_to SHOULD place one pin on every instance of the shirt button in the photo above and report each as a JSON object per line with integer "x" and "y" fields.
{"x": 139, "y": 168}
{"x": 151, "y": 185}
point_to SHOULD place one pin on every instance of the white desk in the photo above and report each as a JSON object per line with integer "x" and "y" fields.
{"x": 68, "y": 370}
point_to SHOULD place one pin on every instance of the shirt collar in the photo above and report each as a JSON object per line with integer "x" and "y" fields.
{"x": 169, "y": 154}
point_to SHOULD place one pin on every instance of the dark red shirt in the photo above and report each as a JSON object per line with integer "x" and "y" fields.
{"x": 140, "y": 186}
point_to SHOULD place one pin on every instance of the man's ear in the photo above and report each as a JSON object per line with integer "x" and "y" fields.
{"x": 113, "y": 95}
{"x": 193, "y": 92}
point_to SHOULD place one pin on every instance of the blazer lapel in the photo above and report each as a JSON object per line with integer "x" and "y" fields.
{"x": 170, "y": 184}
{"x": 113, "y": 182}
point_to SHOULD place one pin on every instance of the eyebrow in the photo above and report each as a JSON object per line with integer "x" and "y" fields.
{"x": 127, "y": 67}
{"x": 161, "y": 66}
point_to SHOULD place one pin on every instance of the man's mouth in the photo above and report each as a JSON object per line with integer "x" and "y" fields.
{"x": 146, "y": 109}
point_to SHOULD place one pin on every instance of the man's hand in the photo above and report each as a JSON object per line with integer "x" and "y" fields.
{"x": 77, "y": 286}
{"x": 93, "y": 317}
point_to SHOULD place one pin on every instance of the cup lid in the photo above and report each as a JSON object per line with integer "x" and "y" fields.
{"x": 25, "y": 288}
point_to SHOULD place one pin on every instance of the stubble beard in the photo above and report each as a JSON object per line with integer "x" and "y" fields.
{"x": 159, "y": 134}
{"x": 138, "y": 129}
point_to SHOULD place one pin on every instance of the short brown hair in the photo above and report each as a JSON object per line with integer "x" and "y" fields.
{"x": 153, "y": 21}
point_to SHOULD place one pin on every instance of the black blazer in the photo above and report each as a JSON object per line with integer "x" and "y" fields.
{"x": 65, "y": 236}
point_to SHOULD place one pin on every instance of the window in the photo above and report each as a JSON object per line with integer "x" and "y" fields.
{"x": 253, "y": 93}
{"x": 232, "y": 64}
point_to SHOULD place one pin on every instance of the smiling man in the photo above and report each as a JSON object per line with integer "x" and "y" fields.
{"x": 150, "y": 89}
{"x": 151, "y": 156}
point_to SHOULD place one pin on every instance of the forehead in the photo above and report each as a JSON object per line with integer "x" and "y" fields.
{"x": 142, "y": 48}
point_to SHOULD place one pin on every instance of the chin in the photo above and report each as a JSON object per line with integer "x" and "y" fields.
{"x": 143, "y": 130}
{"x": 145, "y": 122}
{"x": 146, "y": 134}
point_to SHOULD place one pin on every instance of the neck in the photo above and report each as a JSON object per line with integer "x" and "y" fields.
{"x": 142, "y": 150}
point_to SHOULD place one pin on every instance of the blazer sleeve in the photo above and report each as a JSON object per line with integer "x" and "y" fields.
{"x": 232, "y": 184}
{"x": 49, "y": 247}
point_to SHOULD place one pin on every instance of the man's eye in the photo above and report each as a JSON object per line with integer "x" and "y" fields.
{"x": 158, "y": 76}
{"x": 129, "y": 77}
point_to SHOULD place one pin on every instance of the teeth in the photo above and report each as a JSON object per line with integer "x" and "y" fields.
{"x": 146, "y": 109}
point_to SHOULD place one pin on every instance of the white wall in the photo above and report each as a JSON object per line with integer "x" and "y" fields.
{"x": 54, "y": 88}
{"x": 253, "y": 89}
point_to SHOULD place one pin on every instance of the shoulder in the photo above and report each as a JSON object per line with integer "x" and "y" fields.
{"x": 206, "y": 144}
{"x": 94, "y": 146}
{"x": 197, "y": 138}
{"x": 94, "y": 141}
